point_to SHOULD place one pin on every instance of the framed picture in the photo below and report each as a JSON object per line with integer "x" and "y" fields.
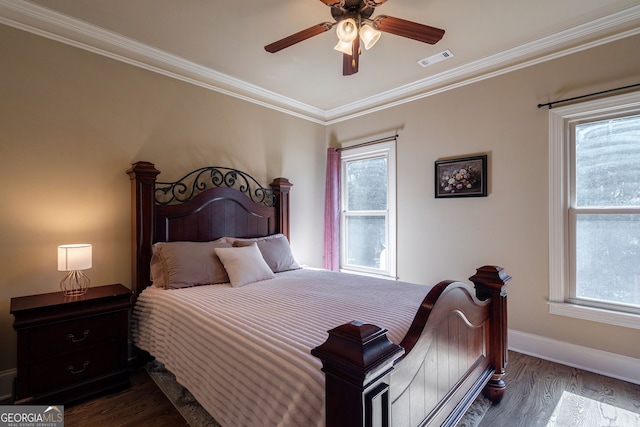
{"x": 462, "y": 177}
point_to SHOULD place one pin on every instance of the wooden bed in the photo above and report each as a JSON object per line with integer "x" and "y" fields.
{"x": 456, "y": 346}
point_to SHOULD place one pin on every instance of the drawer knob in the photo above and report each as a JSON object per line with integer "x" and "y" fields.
{"x": 72, "y": 337}
{"x": 73, "y": 371}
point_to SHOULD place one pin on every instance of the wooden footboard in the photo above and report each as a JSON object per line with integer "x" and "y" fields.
{"x": 456, "y": 348}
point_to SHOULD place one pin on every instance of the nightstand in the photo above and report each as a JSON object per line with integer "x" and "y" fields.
{"x": 70, "y": 348}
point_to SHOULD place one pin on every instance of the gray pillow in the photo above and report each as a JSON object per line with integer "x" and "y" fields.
{"x": 275, "y": 250}
{"x": 182, "y": 264}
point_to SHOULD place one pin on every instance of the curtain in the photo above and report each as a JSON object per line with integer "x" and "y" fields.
{"x": 332, "y": 211}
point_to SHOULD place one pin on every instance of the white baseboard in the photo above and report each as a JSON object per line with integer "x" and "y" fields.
{"x": 6, "y": 385}
{"x": 589, "y": 359}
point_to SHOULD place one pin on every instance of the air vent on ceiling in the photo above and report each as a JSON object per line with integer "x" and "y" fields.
{"x": 436, "y": 58}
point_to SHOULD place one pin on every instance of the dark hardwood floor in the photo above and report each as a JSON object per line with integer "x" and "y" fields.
{"x": 143, "y": 404}
{"x": 534, "y": 389}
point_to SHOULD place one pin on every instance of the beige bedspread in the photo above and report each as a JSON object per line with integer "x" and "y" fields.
{"x": 244, "y": 353}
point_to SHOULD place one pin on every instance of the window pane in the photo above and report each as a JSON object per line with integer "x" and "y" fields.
{"x": 366, "y": 237}
{"x": 608, "y": 163}
{"x": 367, "y": 184}
{"x": 607, "y": 258}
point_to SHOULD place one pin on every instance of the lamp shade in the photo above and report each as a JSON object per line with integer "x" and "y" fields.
{"x": 347, "y": 30}
{"x": 74, "y": 257}
{"x": 369, "y": 36}
{"x": 344, "y": 47}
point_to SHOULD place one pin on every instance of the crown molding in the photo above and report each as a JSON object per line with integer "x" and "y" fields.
{"x": 53, "y": 25}
{"x": 526, "y": 55}
{"x": 47, "y": 23}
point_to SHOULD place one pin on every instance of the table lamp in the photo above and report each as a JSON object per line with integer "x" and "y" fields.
{"x": 73, "y": 259}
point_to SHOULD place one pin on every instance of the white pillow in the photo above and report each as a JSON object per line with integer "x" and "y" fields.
{"x": 244, "y": 265}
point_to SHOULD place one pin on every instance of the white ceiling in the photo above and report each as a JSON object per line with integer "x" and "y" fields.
{"x": 219, "y": 45}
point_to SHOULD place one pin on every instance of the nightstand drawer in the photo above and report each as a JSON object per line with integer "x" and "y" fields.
{"x": 73, "y": 335}
{"x": 76, "y": 367}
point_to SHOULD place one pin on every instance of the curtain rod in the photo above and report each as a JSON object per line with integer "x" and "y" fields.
{"x": 551, "y": 104}
{"x": 375, "y": 141}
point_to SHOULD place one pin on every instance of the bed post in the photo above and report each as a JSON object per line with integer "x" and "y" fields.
{"x": 491, "y": 281}
{"x": 281, "y": 187}
{"x": 357, "y": 360}
{"x": 143, "y": 179}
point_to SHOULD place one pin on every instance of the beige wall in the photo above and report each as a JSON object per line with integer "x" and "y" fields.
{"x": 448, "y": 238}
{"x": 72, "y": 122}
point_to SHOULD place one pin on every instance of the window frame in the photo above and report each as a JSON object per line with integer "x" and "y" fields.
{"x": 562, "y": 212}
{"x": 387, "y": 150}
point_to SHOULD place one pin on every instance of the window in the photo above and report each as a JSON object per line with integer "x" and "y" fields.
{"x": 367, "y": 223}
{"x": 594, "y": 178}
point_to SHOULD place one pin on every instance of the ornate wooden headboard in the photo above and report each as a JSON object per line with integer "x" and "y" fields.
{"x": 204, "y": 205}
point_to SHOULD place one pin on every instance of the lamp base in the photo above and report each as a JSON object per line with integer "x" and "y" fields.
{"x": 74, "y": 284}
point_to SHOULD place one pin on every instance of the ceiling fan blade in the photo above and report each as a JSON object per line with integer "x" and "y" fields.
{"x": 350, "y": 62}
{"x": 298, "y": 37}
{"x": 373, "y": 3}
{"x": 412, "y": 30}
{"x": 334, "y": 3}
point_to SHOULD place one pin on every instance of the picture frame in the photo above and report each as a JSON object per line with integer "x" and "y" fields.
{"x": 461, "y": 177}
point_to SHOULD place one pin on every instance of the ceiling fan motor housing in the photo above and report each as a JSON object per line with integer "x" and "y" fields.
{"x": 355, "y": 9}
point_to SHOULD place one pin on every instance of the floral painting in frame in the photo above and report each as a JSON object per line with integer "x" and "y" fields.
{"x": 461, "y": 177}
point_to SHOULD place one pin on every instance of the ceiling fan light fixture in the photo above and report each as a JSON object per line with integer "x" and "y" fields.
{"x": 344, "y": 47}
{"x": 369, "y": 36}
{"x": 347, "y": 30}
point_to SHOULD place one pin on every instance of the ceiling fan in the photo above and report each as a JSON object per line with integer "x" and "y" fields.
{"x": 354, "y": 25}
